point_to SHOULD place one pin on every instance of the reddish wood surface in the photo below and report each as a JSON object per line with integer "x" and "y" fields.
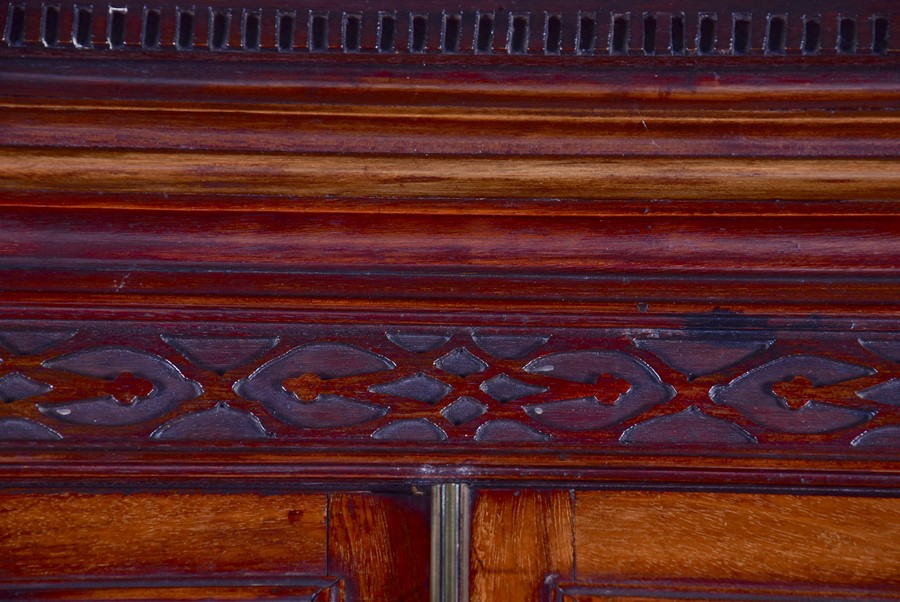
{"x": 536, "y": 530}
{"x": 238, "y": 546}
{"x": 253, "y": 303}
{"x": 67, "y": 536}
{"x": 544, "y": 130}
{"x": 445, "y": 176}
{"x": 307, "y": 590}
{"x": 382, "y": 543}
{"x": 806, "y": 541}
{"x": 637, "y": 546}
{"x": 667, "y": 592}
{"x": 744, "y": 392}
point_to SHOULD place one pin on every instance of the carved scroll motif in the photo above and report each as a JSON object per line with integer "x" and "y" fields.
{"x": 459, "y": 385}
{"x": 170, "y": 387}
{"x": 752, "y": 395}
{"x": 587, "y": 413}
{"x": 327, "y": 361}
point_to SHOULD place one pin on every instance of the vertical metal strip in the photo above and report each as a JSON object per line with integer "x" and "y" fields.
{"x": 437, "y": 496}
{"x": 465, "y": 540}
{"x": 450, "y": 536}
{"x": 449, "y": 542}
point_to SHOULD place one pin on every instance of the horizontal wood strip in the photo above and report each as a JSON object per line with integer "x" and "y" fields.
{"x": 38, "y": 238}
{"x": 482, "y": 81}
{"x": 120, "y": 284}
{"x": 838, "y": 541}
{"x": 670, "y": 591}
{"x": 440, "y": 130}
{"x": 448, "y": 207}
{"x": 142, "y": 534}
{"x": 399, "y": 463}
{"x": 456, "y": 177}
{"x": 175, "y": 590}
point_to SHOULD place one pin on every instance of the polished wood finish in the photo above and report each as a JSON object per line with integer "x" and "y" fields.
{"x": 273, "y": 281}
{"x": 311, "y": 590}
{"x": 536, "y": 528}
{"x": 116, "y": 535}
{"x": 650, "y": 545}
{"x": 464, "y": 177}
{"x": 190, "y": 545}
{"x": 383, "y": 541}
{"x": 165, "y": 545}
{"x": 743, "y": 538}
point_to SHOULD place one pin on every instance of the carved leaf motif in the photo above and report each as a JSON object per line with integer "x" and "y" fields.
{"x": 327, "y": 361}
{"x": 419, "y": 387}
{"x": 752, "y": 395}
{"x": 460, "y": 362}
{"x": 887, "y": 349}
{"x": 887, "y": 392}
{"x": 417, "y": 343}
{"x": 508, "y": 431}
{"x": 23, "y": 429}
{"x": 886, "y": 437}
{"x": 16, "y": 386}
{"x": 415, "y": 429}
{"x": 504, "y": 388}
{"x": 23, "y": 342}
{"x": 509, "y": 347}
{"x": 698, "y": 358}
{"x": 221, "y": 423}
{"x": 688, "y": 427}
{"x": 587, "y": 413}
{"x": 221, "y": 354}
{"x": 463, "y": 410}
{"x": 170, "y": 387}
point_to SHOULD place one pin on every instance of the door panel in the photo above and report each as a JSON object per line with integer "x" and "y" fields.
{"x": 366, "y": 545}
{"x": 810, "y": 540}
{"x": 636, "y": 546}
{"x": 142, "y": 534}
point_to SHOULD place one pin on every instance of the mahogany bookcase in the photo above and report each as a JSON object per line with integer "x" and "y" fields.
{"x": 419, "y": 300}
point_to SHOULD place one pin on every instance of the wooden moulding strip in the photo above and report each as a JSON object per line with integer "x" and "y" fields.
{"x": 442, "y": 131}
{"x": 456, "y": 177}
{"x": 448, "y": 207}
{"x": 167, "y": 589}
{"x": 240, "y": 469}
{"x": 535, "y": 82}
{"x": 530, "y": 248}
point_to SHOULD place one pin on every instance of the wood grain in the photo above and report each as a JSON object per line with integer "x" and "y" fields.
{"x": 853, "y": 246}
{"x": 255, "y": 204}
{"x": 809, "y": 540}
{"x": 175, "y": 590}
{"x": 448, "y": 176}
{"x": 141, "y": 535}
{"x": 381, "y": 543}
{"x": 704, "y": 592}
{"x": 536, "y": 530}
{"x": 477, "y": 83}
{"x": 549, "y": 130}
